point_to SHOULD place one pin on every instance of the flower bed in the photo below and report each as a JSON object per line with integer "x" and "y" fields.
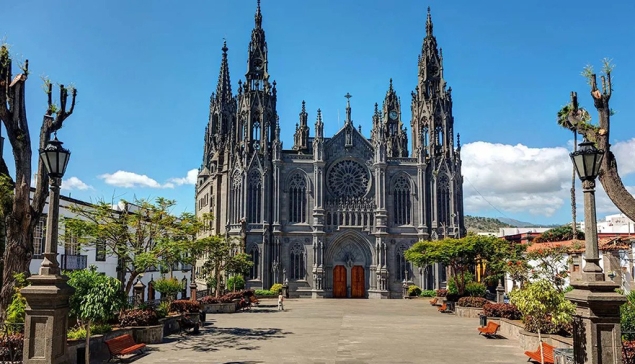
{"x": 476, "y": 302}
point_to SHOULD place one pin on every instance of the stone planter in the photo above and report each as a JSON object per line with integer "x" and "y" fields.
{"x": 469, "y": 312}
{"x": 170, "y": 325}
{"x": 514, "y": 329}
{"x": 98, "y": 347}
{"x": 219, "y": 307}
{"x": 148, "y": 334}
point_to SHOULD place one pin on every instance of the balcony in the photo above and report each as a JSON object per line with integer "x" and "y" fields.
{"x": 73, "y": 262}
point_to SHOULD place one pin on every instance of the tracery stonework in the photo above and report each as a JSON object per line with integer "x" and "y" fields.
{"x": 331, "y": 215}
{"x": 348, "y": 178}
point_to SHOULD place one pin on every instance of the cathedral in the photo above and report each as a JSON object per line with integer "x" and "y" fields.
{"x": 332, "y": 215}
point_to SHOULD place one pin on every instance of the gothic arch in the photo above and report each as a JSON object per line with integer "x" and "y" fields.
{"x": 402, "y": 192}
{"x": 236, "y": 196}
{"x": 291, "y": 174}
{"x": 297, "y": 260}
{"x": 254, "y": 196}
{"x": 297, "y": 190}
{"x": 254, "y": 251}
{"x": 399, "y": 175}
{"x": 401, "y": 264}
{"x": 358, "y": 244}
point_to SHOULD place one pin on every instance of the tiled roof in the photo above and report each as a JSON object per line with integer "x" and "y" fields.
{"x": 577, "y": 246}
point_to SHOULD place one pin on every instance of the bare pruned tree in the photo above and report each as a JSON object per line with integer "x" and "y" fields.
{"x": 25, "y": 212}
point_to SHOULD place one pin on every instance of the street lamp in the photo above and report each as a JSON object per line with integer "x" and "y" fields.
{"x": 47, "y": 296}
{"x": 597, "y": 317}
{"x": 587, "y": 161}
{"x": 55, "y": 159}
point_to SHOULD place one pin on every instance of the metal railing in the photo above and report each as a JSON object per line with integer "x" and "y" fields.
{"x": 73, "y": 262}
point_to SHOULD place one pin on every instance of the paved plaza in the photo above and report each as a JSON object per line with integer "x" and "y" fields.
{"x": 337, "y": 331}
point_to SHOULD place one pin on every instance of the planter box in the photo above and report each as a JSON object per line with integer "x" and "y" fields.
{"x": 515, "y": 329}
{"x": 469, "y": 312}
{"x": 148, "y": 334}
{"x": 98, "y": 347}
{"x": 219, "y": 307}
{"x": 170, "y": 325}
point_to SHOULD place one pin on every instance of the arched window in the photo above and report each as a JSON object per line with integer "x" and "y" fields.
{"x": 297, "y": 199}
{"x": 298, "y": 271}
{"x": 236, "y": 192}
{"x": 402, "y": 265}
{"x": 255, "y": 197}
{"x": 401, "y": 201}
{"x": 443, "y": 199}
{"x": 255, "y": 259}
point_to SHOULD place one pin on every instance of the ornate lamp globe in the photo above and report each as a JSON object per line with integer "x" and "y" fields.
{"x": 587, "y": 160}
{"x": 55, "y": 158}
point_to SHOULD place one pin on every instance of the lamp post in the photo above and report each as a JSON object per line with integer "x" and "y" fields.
{"x": 596, "y": 323}
{"x": 47, "y": 297}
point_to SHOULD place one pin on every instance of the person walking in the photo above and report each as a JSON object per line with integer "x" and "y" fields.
{"x": 280, "y": 300}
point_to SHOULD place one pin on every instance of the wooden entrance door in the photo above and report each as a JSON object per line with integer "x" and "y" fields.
{"x": 358, "y": 285}
{"x": 339, "y": 281}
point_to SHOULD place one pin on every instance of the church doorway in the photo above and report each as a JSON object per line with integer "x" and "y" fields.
{"x": 358, "y": 284}
{"x": 339, "y": 281}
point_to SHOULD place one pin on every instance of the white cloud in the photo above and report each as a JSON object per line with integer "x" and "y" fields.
{"x": 74, "y": 183}
{"x": 624, "y": 156}
{"x": 518, "y": 178}
{"x": 131, "y": 180}
{"x": 515, "y": 178}
{"x": 189, "y": 179}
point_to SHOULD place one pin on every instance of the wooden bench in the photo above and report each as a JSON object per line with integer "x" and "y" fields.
{"x": 123, "y": 345}
{"x": 253, "y": 300}
{"x": 433, "y": 301}
{"x": 443, "y": 308}
{"x": 490, "y": 330}
{"x": 547, "y": 352}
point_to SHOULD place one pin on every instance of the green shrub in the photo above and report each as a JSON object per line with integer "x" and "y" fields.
{"x": 569, "y": 289}
{"x": 276, "y": 288}
{"x": 236, "y": 283}
{"x": 453, "y": 288}
{"x": 502, "y": 310}
{"x": 15, "y": 311}
{"x": 168, "y": 287}
{"x": 182, "y": 306}
{"x": 414, "y": 290}
{"x": 428, "y": 293}
{"x": 163, "y": 309}
{"x": 477, "y": 302}
{"x": 79, "y": 332}
{"x": 265, "y": 293}
{"x": 627, "y": 316}
{"x": 475, "y": 289}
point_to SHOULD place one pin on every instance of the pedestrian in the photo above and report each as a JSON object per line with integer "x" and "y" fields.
{"x": 280, "y": 300}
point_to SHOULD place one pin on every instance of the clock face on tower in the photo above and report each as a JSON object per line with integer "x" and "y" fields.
{"x": 393, "y": 115}
{"x": 258, "y": 64}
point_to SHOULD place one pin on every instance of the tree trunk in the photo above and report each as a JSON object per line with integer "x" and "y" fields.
{"x": 130, "y": 282}
{"x": 218, "y": 282}
{"x": 542, "y": 353}
{"x": 609, "y": 176}
{"x": 87, "y": 352}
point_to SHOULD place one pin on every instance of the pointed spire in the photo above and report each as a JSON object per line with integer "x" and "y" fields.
{"x": 428, "y": 24}
{"x": 224, "y": 87}
{"x": 258, "y": 16}
{"x": 390, "y": 88}
{"x": 348, "y": 108}
{"x": 319, "y": 126}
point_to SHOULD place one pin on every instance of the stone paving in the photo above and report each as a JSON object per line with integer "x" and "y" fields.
{"x": 337, "y": 331}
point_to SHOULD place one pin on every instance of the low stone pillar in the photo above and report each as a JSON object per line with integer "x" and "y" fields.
{"x": 500, "y": 292}
{"x": 46, "y": 321}
{"x": 139, "y": 290}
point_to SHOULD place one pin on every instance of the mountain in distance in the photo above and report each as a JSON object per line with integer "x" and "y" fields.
{"x": 479, "y": 224}
{"x": 523, "y": 224}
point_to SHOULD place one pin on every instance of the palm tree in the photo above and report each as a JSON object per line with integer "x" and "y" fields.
{"x": 568, "y": 118}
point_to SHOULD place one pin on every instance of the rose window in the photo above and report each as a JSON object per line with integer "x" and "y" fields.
{"x": 348, "y": 179}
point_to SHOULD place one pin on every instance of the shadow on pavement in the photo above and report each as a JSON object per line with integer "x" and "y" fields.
{"x": 215, "y": 338}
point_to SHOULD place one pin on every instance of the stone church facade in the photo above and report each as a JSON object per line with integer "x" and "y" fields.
{"x": 332, "y": 216}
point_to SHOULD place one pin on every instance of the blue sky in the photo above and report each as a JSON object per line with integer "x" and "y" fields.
{"x": 145, "y": 70}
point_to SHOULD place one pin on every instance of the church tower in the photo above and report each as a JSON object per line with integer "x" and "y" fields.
{"x": 433, "y": 144}
{"x": 389, "y": 121}
{"x": 301, "y": 136}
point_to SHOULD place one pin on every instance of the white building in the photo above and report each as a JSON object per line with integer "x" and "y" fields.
{"x": 72, "y": 256}
{"x": 617, "y": 223}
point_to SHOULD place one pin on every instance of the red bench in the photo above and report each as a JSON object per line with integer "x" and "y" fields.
{"x": 547, "y": 352}
{"x": 433, "y": 301}
{"x": 123, "y": 345}
{"x": 490, "y": 330}
{"x": 443, "y": 308}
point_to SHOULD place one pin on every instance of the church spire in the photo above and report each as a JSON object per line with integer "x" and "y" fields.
{"x": 348, "y": 108}
{"x": 301, "y": 137}
{"x": 258, "y": 16}
{"x": 257, "y": 62}
{"x": 224, "y": 87}
{"x": 428, "y": 24}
